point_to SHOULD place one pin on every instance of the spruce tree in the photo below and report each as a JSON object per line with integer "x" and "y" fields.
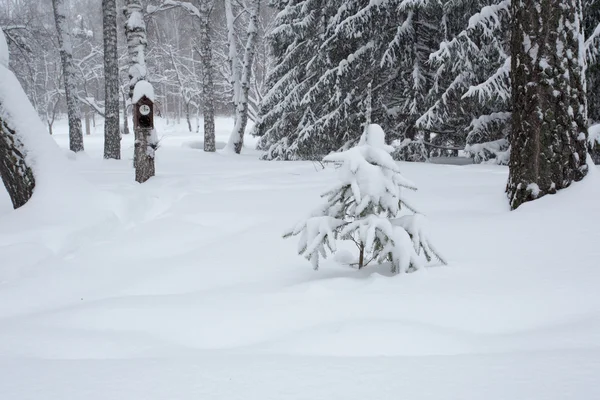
{"x": 294, "y": 42}
{"x": 471, "y": 109}
{"x": 591, "y": 10}
{"x": 368, "y": 208}
{"x": 549, "y": 119}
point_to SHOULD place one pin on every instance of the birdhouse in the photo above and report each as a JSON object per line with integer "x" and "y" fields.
{"x": 143, "y": 116}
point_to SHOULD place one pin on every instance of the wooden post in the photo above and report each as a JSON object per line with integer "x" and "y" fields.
{"x": 145, "y": 138}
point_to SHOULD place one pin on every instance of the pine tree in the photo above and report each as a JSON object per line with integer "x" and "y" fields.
{"x": 592, "y": 33}
{"x": 294, "y": 42}
{"x": 591, "y": 27}
{"x": 112, "y": 136}
{"x": 69, "y": 76}
{"x": 471, "y": 106}
{"x": 549, "y": 119}
{"x": 365, "y": 208}
{"x": 330, "y": 52}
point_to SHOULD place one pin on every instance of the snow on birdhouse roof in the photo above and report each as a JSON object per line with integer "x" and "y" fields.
{"x": 141, "y": 89}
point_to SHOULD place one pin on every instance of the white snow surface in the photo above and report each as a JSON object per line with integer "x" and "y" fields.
{"x": 184, "y": 289}
{"x": 142, "y": 88}
{"x": 58, "y": 190}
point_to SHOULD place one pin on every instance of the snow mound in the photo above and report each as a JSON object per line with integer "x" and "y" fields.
{"x": 63, "y": 203}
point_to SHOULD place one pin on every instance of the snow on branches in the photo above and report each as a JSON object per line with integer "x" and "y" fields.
{"x": 366, "y": 207}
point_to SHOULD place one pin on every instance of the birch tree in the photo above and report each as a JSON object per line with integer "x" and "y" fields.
{"x": 69, "y": 76}
{"x": 201, "y": 10}
{"x": 112, "y": 136}
{"x": 135, "y": 33}
{"x": 549, "y": 118}
{"x": 145, "y": 140}
{"x": 241, "y": 71}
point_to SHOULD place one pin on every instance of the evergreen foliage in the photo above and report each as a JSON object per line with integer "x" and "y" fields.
{"x": 367, "y": 207}
{"x": 440, "y": 76}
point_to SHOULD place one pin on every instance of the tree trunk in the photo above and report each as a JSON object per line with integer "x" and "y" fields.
{"x": 361, "y": 256}
{"x": 87, "y": 121}
{"x": 16, "y": 175}
{"x": 112, "y": 136}
{"x": 549, "y": 132}
{"x": 144, "y": 154}
{"x": 145, "y": 141}
{"x": 69, "y": 76}
{"x": 125, "y": 123}
{"x": 208, "y": 88}
{"x": 135, "y": 33}
{"x": 236, "y": 141}
{"x": 188, "y": 117}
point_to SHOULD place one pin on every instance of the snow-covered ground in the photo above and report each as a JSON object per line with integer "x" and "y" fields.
{"x": 182, "y": 288}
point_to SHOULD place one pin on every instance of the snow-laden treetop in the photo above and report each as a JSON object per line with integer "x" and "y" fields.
{"x": 3, "y": 50}
{"x": 141, "y": 89}
{"x": 375, "y": 137}
{"x": 371, "y": 172}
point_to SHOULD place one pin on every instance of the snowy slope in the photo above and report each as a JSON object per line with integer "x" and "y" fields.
{"x": 183, "y": 289}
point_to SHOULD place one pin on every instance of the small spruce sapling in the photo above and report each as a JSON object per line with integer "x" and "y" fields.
{"x": 365, "y": 208}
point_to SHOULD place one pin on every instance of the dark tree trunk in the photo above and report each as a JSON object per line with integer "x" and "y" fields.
{"x": 16, "y": 175}
{"x": 69, "y": 76}
{"x": 549, "y": 131}
{"x": 188, "y": 117}
{"x": 125, "y": 123}
{"x": 361, "y": 256}
{"x": 88, "y": 129}
{"x": 112, "y": 136}
{"x": 208, "y": 88}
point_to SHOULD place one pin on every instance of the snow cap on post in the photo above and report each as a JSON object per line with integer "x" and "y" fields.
{"x": 4, "y": 54}
{"x": 141, "y": 89}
